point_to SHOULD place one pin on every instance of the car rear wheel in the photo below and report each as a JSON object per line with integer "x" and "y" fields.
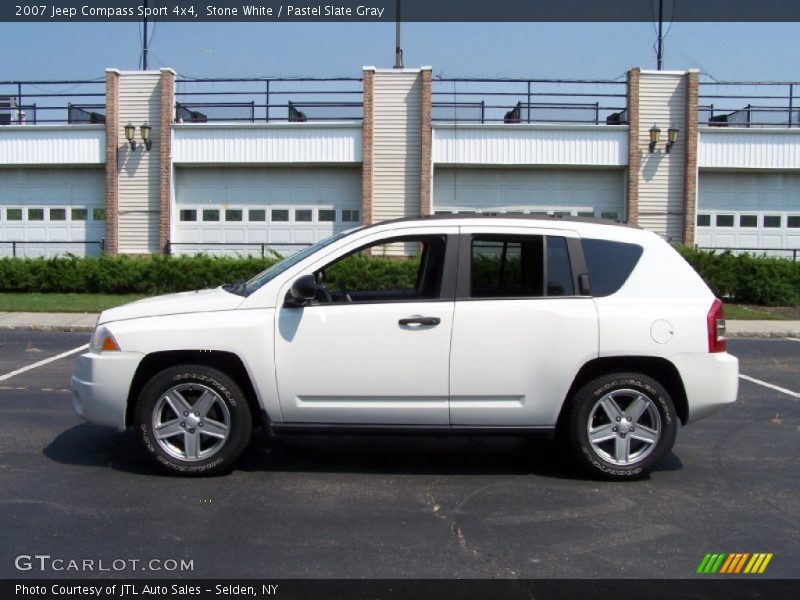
{"x": 193, "y": 420}
{"x": 621, "y": 425}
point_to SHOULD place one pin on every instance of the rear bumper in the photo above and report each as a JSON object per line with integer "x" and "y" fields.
{"x": 100, "y": 386}
{"x": 711, "y": 382}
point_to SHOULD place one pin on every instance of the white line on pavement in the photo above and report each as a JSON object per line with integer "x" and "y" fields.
{"x": 793, "y": 339}
{"x": 770, "y": 386}
{"x": 43, "y": 362}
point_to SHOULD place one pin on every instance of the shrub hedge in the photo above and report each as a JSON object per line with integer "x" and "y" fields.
{"x": 747, "y": 279}
{"x": 124, "y": 275}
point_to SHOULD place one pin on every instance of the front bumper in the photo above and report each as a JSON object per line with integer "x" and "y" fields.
{"x": 711, "y": 381}
{"x": 100, "y": 386}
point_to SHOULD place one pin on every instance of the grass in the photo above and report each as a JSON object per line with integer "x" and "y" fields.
{"x": 752, "y": 313}
{"x": 77, "y": 303}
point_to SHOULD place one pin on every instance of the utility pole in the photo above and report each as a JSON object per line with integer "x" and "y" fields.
{"x": 660, "y": 48}
{"x": 398, "y": 51}
{"x": 144, "y": 38}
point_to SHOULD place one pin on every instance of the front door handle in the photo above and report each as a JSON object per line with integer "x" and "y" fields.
{"x": 431, "y": 321}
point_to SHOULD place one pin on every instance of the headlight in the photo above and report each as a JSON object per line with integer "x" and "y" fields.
{"x": 103, "y": 341}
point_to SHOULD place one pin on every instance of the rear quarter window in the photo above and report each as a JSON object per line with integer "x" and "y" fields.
{"x": 610, "y": 264}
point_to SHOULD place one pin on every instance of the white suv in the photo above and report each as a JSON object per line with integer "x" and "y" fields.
{"x": 599, "y": 333}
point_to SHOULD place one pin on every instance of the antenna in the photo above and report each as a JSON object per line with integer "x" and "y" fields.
{"x": 660, "y": 47}
{"x": 144, "y": 37}
{"x": 398, "y": 51}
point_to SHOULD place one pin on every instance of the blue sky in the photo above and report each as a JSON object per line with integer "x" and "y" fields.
{"x": 729, "y": 51}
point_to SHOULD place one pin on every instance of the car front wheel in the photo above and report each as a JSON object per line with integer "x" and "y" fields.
{"x": 193, "y": 420}
{"x": 621, "y": 425}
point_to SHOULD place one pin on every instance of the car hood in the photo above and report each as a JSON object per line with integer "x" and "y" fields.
{"x": 174, "y": 304}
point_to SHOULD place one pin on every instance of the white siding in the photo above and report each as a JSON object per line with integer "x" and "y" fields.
{"x": 749, "y": 148}
{"x": 397, "y": 145}
{"x": 52, "y": 145}
{"x": 139, "y": 102}
{"x": 270, "y": 143}
{"x": 529, "y": 190}
{"x": 523, "y": 144}
{"x": 662, "y": 101}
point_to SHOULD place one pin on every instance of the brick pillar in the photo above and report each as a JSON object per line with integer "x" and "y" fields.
{"x": 165, "y": 157}
{"x": 632, "y": 109}
{"x": 690, "y": 135}
{"x": 367, "y": 136}
{"x": 112, "y": 173}
{"x": 427, "y": 166}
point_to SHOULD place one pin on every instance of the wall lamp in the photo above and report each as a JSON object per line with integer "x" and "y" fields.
{"x": 655, "y": 135}
{"x": 672, "y": 137}
{"x": 144, "y": 130}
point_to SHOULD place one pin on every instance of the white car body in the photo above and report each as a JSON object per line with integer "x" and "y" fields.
{"x": 488, "y": 364}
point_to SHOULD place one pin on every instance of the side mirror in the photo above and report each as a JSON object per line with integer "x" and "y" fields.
{"x": 303, "y": 289}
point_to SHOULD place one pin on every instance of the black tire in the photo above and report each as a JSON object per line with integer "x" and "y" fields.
{"x": 191, "y": 443}
{"x": 612, "y": 458}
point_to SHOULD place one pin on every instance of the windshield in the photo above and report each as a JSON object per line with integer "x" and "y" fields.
{"x": 279, "y": 267}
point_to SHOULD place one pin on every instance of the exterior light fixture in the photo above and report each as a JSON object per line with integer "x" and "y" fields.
{"x": 655, "y": 135}
{"x": 130, "y": 132}
{"x": 672, "y": 137}
{"x": 145, "y": 131}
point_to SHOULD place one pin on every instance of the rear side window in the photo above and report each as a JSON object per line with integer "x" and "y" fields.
{"x": 559, "y": 271}
{"x": 610, "y": 264}
{"x": 507, "y": 267}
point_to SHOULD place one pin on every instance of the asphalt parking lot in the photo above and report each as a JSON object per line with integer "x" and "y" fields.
{"x": 395, "y": 507}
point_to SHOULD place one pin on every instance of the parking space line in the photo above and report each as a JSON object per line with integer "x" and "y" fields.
{"x": 793, "y": 339}
{"x": 41, "y": 363}
{"x": 770, "y": 386}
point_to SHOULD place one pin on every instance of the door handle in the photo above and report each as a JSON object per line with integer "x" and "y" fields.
{"x": 420, "y": 321}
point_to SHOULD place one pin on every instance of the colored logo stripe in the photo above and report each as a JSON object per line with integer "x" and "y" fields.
{"x": 735, "y": 563}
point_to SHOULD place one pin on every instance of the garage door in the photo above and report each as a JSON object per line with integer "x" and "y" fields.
{"x": 593, "y": 193}
{"x": 749, "y": 211}
{"x": 49, "y": 212}
{"x": 246, "y": 210}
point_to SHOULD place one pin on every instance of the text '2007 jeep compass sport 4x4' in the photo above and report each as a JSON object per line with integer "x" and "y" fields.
{"x": 599, "y": 332}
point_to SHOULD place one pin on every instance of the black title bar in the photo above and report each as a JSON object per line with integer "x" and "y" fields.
{"x": 411, "y": 10}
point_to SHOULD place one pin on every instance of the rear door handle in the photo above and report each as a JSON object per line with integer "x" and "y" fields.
{"x": 420, "y": 321}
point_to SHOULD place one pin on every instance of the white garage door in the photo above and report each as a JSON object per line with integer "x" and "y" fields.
{"x": 245, "y": 210}
{"x": 592, "y": 193}
{"x": 50, "y": 212}
{"x": 749, "y": 211}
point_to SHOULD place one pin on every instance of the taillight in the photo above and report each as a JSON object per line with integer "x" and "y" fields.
{"x": 715, "y": 321}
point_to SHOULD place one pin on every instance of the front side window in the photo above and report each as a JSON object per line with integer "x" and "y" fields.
{"x": 403, "y": 269}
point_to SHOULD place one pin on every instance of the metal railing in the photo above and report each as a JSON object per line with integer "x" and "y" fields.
{"x": 19, "y": 246}
{"x": 792, "y": 253}
{"x": 749, "y": 104}
{"x": 597, "y": 102}
{"x": 42, "y": 102}
{"x": 263, "y": 249}
{"x": 264, "y": 100}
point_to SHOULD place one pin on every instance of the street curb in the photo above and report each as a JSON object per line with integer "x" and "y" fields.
{"x": 56, "y": 328}
{"x": 763, "y": 334}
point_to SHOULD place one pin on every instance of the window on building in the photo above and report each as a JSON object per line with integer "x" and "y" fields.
{"x": 724, "y": 220}
{"x": 588, "y": 214}
{"x": 233, "y": 215}
{"x": 704, "y": 220}
{"x": 210, "y": 214}
{"x": 279, "y": 214}
{"x": 793, "y": 221}
{"x": 188, "y": 214}
{"x": 614, "y": 216}
{"x": 327, "y": 215}
{"x": 35, "y": 214}
{"x": 257, "y": 215}
{"x": 302, "y": 215}
{"x": 58, "y": 214}
{"x": 14, "y": 214}
{"x": 748, "y": 221}
{"x": 351, "y": 216}
{"x": 772, "y": 221}
{"x": 98, "y": 214}
{"x": 79, "y": 214}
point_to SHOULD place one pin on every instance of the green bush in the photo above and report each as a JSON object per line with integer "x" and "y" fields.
{"x": 124, "y": 275}
{"x": 747, "y": 279}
